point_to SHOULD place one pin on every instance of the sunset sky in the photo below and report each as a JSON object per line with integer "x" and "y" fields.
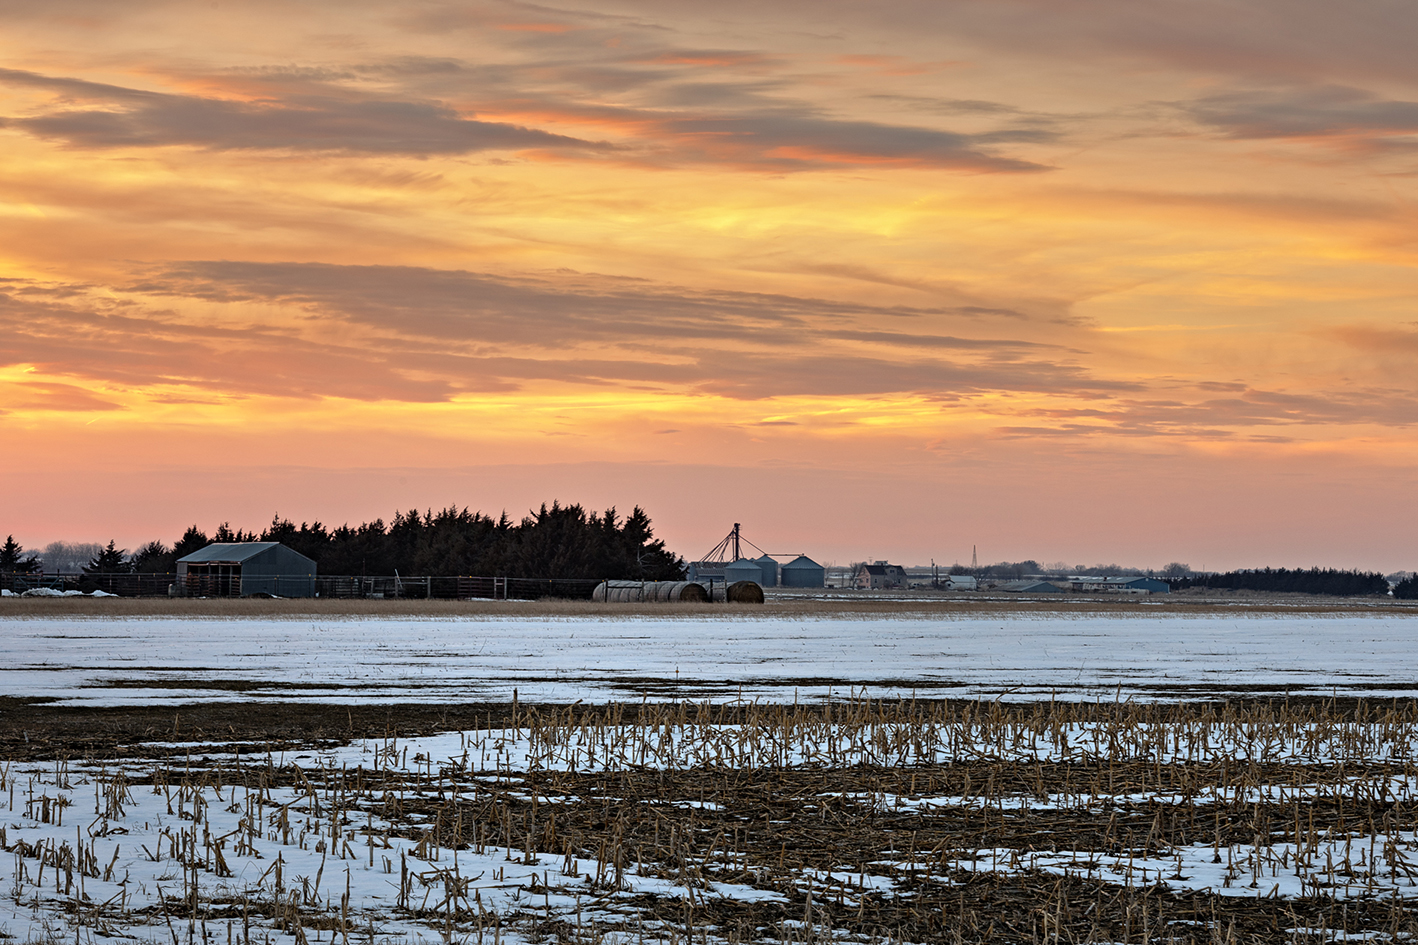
{"x": 1075, "y": 280}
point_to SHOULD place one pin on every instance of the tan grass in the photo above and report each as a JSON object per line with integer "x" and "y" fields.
{"x": 785, "y": 605}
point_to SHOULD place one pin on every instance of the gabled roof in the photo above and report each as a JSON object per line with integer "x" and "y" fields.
{"x": 228, "y": 552}
{"x": 1030, "y": 587}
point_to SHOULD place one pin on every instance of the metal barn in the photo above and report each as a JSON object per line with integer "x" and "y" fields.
{"x": 1031, "y": 586}
{"x": 1142, "y": 585}
{"x": 241, "y": 569}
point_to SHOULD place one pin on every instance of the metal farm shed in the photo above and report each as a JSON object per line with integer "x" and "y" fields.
{"x": 1141, "y": 585}
{"x": 802, "y": 571}
{"x": 241, "y": 569}
{"x": 1031, "y": 587}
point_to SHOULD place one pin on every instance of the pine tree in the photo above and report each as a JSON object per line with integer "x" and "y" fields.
{"x": 111, "y": 560}
{"x": 194, "y": 539}
{"x": 13, "y": 559}
{"x": 153, "y": 558}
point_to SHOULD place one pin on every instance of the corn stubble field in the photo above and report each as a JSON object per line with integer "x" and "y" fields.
{"x": 858, "y": 820}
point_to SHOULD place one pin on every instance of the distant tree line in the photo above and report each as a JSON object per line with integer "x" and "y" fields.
{"x": 563, "y": 541}
{"x": 1014, "y": 570}
{"x": 1329, "y": 581}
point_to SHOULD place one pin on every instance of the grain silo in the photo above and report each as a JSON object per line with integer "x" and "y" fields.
{"x": 743, "y": 570}
{"x": 802, "y": 571}
{"x": 769, "y": 567}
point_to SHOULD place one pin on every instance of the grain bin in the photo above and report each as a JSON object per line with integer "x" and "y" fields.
{"x": 769, "y": 567}
{"x": 743, "y": 570}
{"x": 802, "y": 571}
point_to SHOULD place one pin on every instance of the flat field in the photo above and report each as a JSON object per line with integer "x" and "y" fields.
{"x": 1029, "y": 773}
{"x": 112, "y": 652}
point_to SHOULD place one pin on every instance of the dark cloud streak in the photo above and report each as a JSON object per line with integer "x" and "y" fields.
{"x": 1335, "y": 113}
{"x": 136, "y": 118}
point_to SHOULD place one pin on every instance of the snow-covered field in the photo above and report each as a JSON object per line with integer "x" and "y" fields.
{"x": 112, "y": 661}
{"x": 1114, "y": 808}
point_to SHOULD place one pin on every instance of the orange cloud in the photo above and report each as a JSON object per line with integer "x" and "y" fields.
{"x": 1132, "y": 250}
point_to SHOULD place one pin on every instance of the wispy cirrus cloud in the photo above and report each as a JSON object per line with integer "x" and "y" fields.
{"x": 119, "y": 117}
{"x": 402, "y": 333}
{"x": 1244, "y": 414}
{"x": 309, "y": 110}
{"x": 562, "y": 309}
{"x": 1329, "y": 114}
{"x": 414, "y": 335}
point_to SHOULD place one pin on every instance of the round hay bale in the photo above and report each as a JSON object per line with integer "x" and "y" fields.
{"x": 693, "y": 592}
{"x": 745, "y": 592}
{"x": 617, "y": 592}
{"x": 630, "y": 592}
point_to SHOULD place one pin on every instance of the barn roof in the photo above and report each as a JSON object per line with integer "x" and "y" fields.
{"x": 228, "y": 552}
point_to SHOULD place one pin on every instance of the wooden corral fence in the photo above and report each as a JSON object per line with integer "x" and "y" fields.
{"x": 122, "y": 585}
{"x": 462, "y": 587}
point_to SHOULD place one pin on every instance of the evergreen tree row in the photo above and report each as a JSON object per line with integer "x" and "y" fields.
{"x": 556, "y": 542}
{"x": 1329, "y": 581}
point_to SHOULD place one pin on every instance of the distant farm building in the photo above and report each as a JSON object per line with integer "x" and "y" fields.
{"x": 802, "y": 571}
{"x": 879, "y": 576}
{"x": 962, "y": 582}
{"x": 1119, "y": 585}
{"x": 241, "y": 569}
{"x": 743, "y": 570}
{"x": 707, "y": 571}
{"x": 769, "y": 567}
{"x": 1031, "y": 586}
{"x": 726, "y": 564}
